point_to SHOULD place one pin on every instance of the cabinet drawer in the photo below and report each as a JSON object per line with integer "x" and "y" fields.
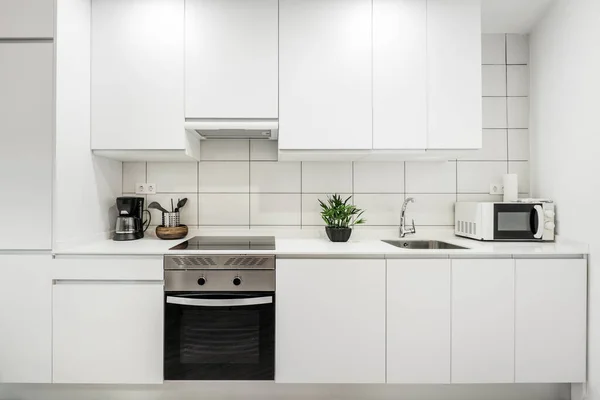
{"x": 109, "y": 268}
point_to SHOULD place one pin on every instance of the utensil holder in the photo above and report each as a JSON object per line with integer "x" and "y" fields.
{"x": 170, "y": 220}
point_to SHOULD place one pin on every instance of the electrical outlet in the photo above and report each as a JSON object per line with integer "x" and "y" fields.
{"x": 145, "y": 188}
{"x": 496, "y": 188}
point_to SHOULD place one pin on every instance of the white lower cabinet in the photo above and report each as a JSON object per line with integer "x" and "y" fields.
{"x": 483, "y": 320}
{"x": 25, "y": 319}
{"x": 418, "y": 321}
{"x": 107, "y": 332}
{"x": 551, "y": 315}
{"x": 330, "y": 321}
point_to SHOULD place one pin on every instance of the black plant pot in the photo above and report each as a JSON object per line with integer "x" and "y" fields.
{"x": 338, "y": 234}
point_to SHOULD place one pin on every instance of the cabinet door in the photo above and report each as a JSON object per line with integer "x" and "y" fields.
{"x": 25, "y": 318}
{"x": 330, "y": 321}
{"x": 26, "y": 95}
{"x": 325, "y": 74}
{"x": 551, "y": 313}
{"x": 26, "y": 19}
{"x": 137, "y": 74}
{"x": 231, "y": 58}
{"x": 454, "y": 74}
{"x": 107, "y": 332}
{"x": 483, "y": 321}
{"x": 418, "y": 321}
{"x": 399, "y": 74}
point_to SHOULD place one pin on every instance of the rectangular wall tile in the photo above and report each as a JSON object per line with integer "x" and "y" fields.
{"x": 518, "y": 112}
{"x": 521, "y": 168}
{"x": 311, "y": 210}
{"x": 494, "y": 112}
{"x": 173, "y": 177}
{"x": 378, "y": 177}
{"x": 517, "y": 49}
{"x": 224, "y": 177}
{"x": 494, "y": 80}
{"x": 326, "y": 177}
{"x": 518, "y": 144}
{"x": 133, "y": 172}
{"x": 431, "y": 210}
{"x": 476, "y": 177}
{"x": 380, "y": 209}
{"x": 493, "y": 49}
{"x": 223, "y": 209}
{"x": 275, "y": 209}
{"x": 431, "y": 177}
{"x": 494, "y": 147}
{"x": 263, "y": 150}
{"x": 280, "y": 177}
{"x": 224, "y": 150}
{"x": 188, "y": 214}
{"x": 479, "y": 197}
{"x": 517, "y": 80}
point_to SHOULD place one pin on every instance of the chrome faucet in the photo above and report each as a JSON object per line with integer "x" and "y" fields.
{"x": 403, "y": 229}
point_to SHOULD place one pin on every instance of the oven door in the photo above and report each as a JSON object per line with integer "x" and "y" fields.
{"x": 219, "y": 336}
{"x": 518, "y": 221}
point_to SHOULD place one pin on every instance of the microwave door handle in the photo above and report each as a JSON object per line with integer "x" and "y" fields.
{"x": 185, "y": 301}
{"x": 540, "y": 219}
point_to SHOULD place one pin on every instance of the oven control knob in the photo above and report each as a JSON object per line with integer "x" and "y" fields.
{"x": 237, "y": 281}
{"x": 201, "y": 281}
{"x": 549, "y": 214}
{"x": 549, "y": 225}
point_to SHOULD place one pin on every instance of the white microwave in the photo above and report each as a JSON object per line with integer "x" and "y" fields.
{"x": 524, "y": 220}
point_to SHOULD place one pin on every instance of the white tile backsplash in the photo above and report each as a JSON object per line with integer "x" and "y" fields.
{"x": 326, "y": 177}
{"x": 281, "y": 177}
{"x": 431, "y": 177}
{"x": 494, "y": 80}
{"x": 223, "y": 177}
{"x": 378, "y": 177}
{"x": 173, "y": 177}
{"x": 494, "y": 112}
{"x": 239, "y": 183}
{"x": 517, "y": 80}
{"x": 275, "y": 209}
{"x": 493, "y": 49}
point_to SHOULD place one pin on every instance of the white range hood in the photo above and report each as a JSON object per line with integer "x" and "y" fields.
{"x": 234, "y": 128}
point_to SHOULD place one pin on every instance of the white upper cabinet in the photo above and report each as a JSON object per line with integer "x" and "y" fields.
{"x": 325, "y": 75}
{"x": 551, "y": 320}
{"x": 399, "y": 74}
{"x": 137, "y": 74}
{"x": 330, "y": 317}
{"x": 231, "y": 57}
{"x": 26, "y": 95}
{"x": 24, "y": 19}
{"x": 454, "y": 74}
{"x": 483, "y": 321}
{"x": 418, "y": 321}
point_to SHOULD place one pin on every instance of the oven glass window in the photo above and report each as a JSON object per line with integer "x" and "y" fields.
{"x": 219, "y": 336}
{"x": 513, "y": 221}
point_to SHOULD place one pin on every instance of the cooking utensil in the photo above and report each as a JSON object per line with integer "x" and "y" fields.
{"x": 154, "y": 205}
{"x": 180, "y": 204}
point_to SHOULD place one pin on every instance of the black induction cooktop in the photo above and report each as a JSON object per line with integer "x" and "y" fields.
{"x": 227, "y": 243}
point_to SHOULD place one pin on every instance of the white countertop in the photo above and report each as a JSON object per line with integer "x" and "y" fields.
{"x": 359, "y": 247}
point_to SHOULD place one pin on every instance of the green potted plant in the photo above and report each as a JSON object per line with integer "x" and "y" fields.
{"x": 339, "y": 216}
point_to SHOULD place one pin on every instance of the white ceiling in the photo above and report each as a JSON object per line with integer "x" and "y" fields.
{"x": 511, "y": 16}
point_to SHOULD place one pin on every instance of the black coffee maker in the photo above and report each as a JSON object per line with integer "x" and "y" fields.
{"x": 130, "y": 222}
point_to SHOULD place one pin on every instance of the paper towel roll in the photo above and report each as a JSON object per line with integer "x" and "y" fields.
{"x": 511, "y": 187}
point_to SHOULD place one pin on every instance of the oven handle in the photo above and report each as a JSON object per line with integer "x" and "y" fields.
{"x": 252, "y": 301}
{"x": 540, "y": 227}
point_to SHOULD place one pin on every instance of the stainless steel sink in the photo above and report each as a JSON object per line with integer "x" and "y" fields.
{"x": 423, "y": 244}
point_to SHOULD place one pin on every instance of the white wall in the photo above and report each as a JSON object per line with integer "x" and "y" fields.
{"x": 565, "y": 110}
{"x": 85, "y": 186}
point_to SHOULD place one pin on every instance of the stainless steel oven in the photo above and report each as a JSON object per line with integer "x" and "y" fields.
{"x": 219, "y": 317}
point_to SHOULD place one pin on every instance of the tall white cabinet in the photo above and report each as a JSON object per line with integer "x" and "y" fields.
{"x": 325, "y": 75}
{"x": 231, "y": 58}
{"x": 26, "y": 153}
